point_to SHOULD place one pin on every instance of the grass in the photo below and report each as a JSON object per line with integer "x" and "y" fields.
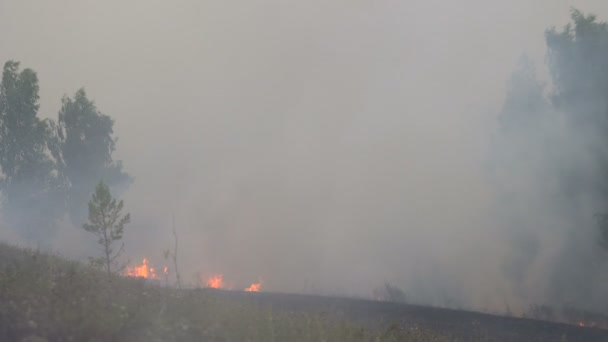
{"x": 47, "y": 298}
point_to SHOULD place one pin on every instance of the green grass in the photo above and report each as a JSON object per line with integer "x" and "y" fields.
{"x": 47, "y": 298}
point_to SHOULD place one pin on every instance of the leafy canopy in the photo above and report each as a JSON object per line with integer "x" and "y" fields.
{"x": 30, "y": 184}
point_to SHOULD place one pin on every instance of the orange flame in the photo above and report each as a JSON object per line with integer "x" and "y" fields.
{"x": 216, "y": 282}
{"x": 166, "y": 270}
{"x": 255, "y": 287}
{"x": 142, "y": 271}
{"x": 588, "y": 324}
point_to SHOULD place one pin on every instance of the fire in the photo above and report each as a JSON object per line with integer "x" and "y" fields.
{"x": 255, "y": 287}
{"x": 216, "y": 282}
{"x": 589, "y": 324}
{"x": 142, "y": 271}
{"x": 166, "y": 270}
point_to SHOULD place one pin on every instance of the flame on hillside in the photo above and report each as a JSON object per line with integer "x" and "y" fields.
{"x": 255, "y": 287}
{"x": 216, "y": 282}
{"x": 602, "y": 325}
{"x": 142, "y": 271}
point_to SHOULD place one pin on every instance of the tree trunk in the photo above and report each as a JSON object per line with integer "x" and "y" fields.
{"x": 106, "y": 245}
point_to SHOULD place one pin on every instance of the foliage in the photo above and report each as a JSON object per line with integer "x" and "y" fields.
{"x": 48, "y": 167}
{"x": 525, "y": 102}
{"x": 106, "y": 222}
{"x": 578, "y": 61}
{"x": 579, "y": 67}
{"x": 573, "y": 141}
{"x": 86, "y": 144}
{"x": 31, "y": 190}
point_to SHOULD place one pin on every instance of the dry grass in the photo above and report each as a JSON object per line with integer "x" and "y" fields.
{"x": 47, "y": 298}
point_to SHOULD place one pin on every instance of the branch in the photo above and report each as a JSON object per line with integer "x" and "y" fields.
{"x": 122, "y": 249}
{"x": 177, "y": 276}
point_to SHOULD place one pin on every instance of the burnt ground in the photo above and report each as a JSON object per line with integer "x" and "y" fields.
{"x": 454, "y": 324}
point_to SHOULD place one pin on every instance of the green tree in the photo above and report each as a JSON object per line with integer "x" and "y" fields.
{"x": 525, "y": 102}
{"x": 578, "y": 61}
{"x": 553, "y": 157}
{"x": 86, "y": 144}
{"x": 31, "y": 190}
{"x": 107, "y": 223}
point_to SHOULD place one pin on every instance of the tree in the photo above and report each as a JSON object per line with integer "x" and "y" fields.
{"x": 107, "y": 223}
{"x": 552, "y": 164}
{"x": 86, "y": 144}
{"x": 31, "y": 189}
{"x": 525, "y": 102}
{"x": 521, "y": 136}
{"x": 578, "y": 61}
{"x": 173, "y": 254}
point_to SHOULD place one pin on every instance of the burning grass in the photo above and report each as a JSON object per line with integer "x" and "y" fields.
{"x": 216, "y": 281}
{"x": 142, "y": 271}
{"x": 47, "y": 298}
{"x": 255, "y": 287}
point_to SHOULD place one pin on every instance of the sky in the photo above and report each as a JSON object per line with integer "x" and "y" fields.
{"x": 322, "y": 146}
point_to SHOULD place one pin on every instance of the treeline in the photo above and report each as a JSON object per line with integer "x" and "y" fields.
{"x": 565, "y": 125}
{"x": 50, "y": 167}
{"x": 552, "y": 159}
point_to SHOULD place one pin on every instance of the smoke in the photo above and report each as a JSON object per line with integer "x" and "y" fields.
{"x": 325, "y": 147}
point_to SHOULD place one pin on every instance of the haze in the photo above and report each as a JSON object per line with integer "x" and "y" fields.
{"x": 324, "y": 146}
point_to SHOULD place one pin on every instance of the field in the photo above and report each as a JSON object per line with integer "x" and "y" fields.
{"x": 453, "y": 325}
{"x": 47, "y": 298}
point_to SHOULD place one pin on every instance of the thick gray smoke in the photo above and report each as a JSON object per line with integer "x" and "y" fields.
{"x": 547, "y": 174}
{"x": 324, "y": 146}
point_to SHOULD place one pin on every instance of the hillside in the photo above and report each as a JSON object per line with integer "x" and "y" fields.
{"x": 48, "y": 298}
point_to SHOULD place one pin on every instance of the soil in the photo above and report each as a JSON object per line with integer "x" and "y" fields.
{"x": 454, "y": 324}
